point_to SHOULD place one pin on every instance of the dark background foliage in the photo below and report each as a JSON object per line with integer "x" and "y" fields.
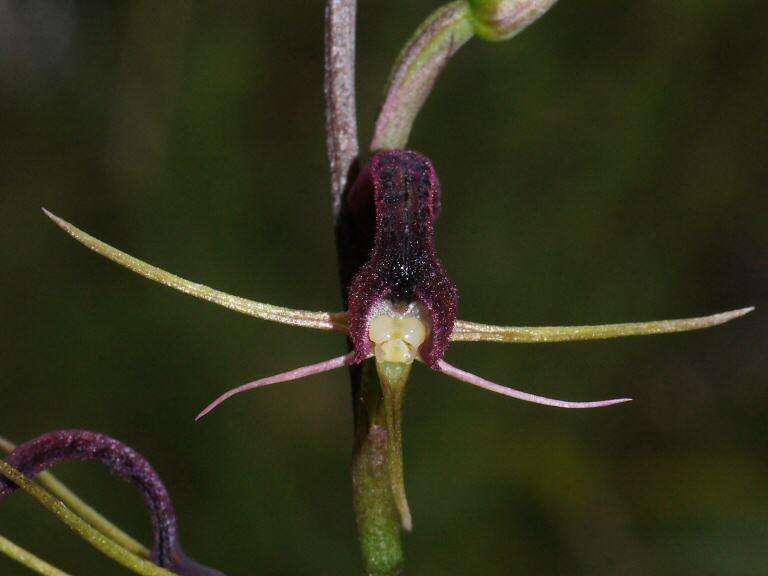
{"x": 607, "y": 165}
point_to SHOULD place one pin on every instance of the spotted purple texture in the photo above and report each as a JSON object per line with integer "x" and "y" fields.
{"x": 403, "y": 266}
{"x": 47, "y": 450}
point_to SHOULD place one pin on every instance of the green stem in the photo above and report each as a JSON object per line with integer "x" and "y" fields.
{"x": 416, "y": 70}
{"x": 28, "y": 559}
{"x": 82, "y": 509}
{"x": 378, "y": 520}
{"x": 81, "y": 527}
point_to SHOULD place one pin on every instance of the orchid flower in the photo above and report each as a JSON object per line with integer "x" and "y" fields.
{"x": 402, "y": 304}
{"x": 402, "y": 307}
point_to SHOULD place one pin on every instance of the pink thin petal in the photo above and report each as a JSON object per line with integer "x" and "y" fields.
{"x": 284, "y": 377}
{"x": 454, "y": 372}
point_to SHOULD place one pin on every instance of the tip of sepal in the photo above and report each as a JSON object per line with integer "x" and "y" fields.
{"x": 406, "y": 521}
{"x": 725, "y": 317}
{"x": 51, "y": 215}
{"x": 741, "y": 311}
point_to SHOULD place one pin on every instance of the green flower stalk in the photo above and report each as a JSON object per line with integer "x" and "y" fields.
{"x": 428, "y": 51}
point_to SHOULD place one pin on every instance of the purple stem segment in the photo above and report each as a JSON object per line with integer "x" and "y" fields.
{"x": 340, "y": 110}
{"x": 44, "y": 452}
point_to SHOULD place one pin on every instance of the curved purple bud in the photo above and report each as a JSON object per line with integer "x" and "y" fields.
{"x": 402, "y": 188}
{"x": 47, "y": 450}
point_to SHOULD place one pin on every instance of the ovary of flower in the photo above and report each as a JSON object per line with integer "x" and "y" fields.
{"x": 397, "y": 339}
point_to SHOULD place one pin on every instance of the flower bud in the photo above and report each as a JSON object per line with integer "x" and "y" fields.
{"x": 501, "y": 19}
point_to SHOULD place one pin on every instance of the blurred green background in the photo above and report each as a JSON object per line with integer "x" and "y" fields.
{"x": 607, "y": 165}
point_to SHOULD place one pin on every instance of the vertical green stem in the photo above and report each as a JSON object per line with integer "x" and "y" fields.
{"x": 378, "y": 520}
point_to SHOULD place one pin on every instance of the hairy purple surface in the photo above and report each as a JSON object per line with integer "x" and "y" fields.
{"x": 403, "y": 189}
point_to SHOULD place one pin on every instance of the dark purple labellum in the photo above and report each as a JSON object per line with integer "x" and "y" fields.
{"x": 403, "y": 267}
{"x": 47, "y": 450}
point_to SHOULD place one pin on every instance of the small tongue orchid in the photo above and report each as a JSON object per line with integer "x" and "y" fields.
{"x": 402, "y": 305}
